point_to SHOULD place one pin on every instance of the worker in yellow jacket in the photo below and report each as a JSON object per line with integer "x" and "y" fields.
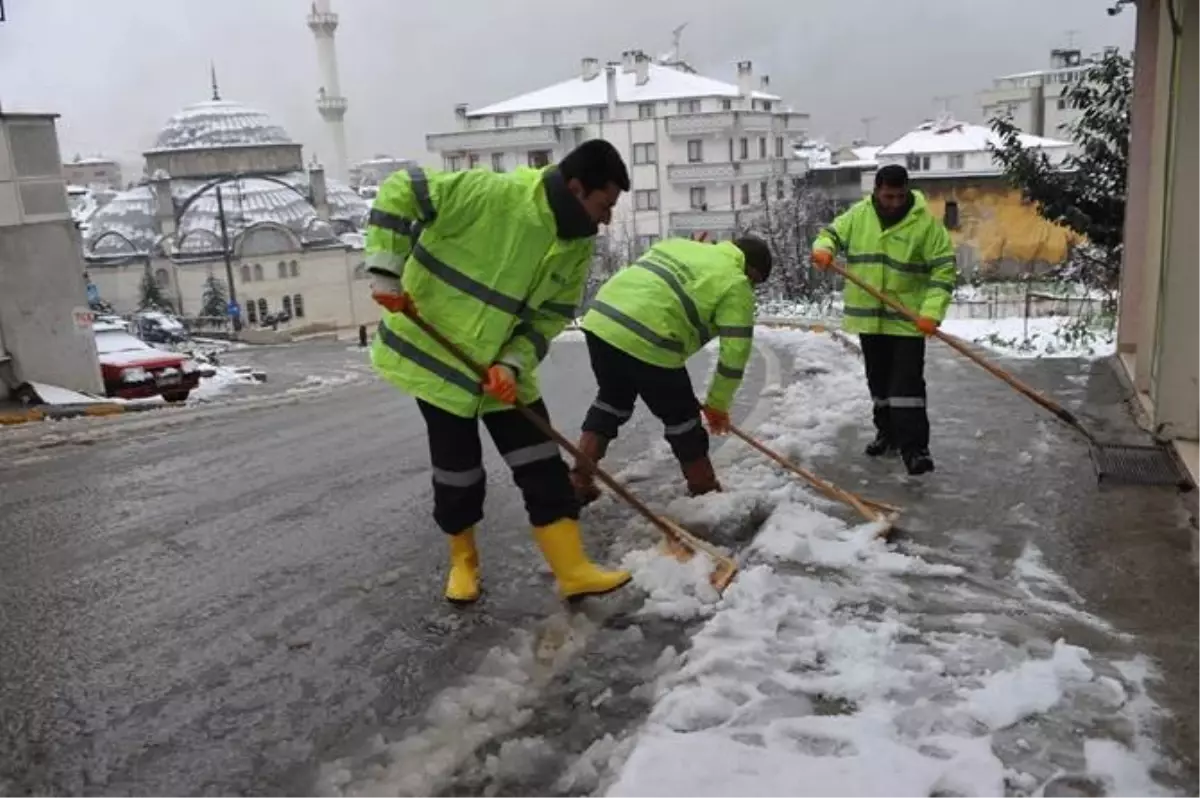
{"x": 893, "y": 243}
{"x": 496, "y": 262}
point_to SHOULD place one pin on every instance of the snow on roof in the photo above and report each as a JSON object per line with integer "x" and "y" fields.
{"x": 665, "y": 83}
{"x": 866, "y": 152}
{"x": 92, "y": 161}
{"x": 219, "y": 123}
{"x": 947, "y": 135}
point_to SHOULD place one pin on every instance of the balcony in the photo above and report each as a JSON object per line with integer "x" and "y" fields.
{"x": 501, "y": 138}
{"x": 735, "y": 122}
{"x": 695, "y": 221}
{"x": 732, "y": 172}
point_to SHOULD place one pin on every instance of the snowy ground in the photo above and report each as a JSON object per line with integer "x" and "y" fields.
{"x": 837, "y": 665}
{"x": 1052, "y": 336}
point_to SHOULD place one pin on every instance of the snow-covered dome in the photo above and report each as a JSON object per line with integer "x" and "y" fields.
{"x": 128, "y": 219}
{"x": 219, "y": 123}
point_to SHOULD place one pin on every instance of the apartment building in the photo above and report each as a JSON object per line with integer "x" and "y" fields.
{"x": 99, "y": 172}
{"x": 704, "y": 155}
{"x": 1036, "y": 99}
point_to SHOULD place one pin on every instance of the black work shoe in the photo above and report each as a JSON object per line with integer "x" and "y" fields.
{"x": 880, "y": 446}
{"x": 918, "y": 462}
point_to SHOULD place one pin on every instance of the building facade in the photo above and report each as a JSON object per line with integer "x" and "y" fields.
{"x": 704, "y": 155}
{"x": 997, "y": 233}
{"x": 93, "y": 172}
{"x": 42, "y": 338}
{"x": 1157, "y": 337}
{"x": 1036, "y": 100}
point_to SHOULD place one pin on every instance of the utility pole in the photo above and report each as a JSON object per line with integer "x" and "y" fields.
{"x": 867, "y": 120}
{"x": 237, "y": 320}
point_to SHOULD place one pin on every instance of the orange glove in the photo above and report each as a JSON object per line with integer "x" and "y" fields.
{"x": 395, "y": 303}
{"x": 927, "y": 325}
{"x": 717, "y": 420}
{"x": 821, "y": 258}
{"x": 501, "y": 383}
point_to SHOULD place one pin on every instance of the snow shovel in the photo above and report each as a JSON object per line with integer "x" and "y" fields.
{"x": 1119, "y": 462}
{"x": 680, "y": 543}
{"x": 867, "y": 508}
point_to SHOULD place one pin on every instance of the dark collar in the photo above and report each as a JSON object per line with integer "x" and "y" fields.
{"x": 570, "y": 219}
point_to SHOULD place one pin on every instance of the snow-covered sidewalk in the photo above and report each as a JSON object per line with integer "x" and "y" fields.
{"x": 838, "y": 665}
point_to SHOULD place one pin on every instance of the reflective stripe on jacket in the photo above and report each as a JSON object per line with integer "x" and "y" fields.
{"x": 912, "y": 261}
{"x": 670, "y": 302}
{"x": 479, "y": 254}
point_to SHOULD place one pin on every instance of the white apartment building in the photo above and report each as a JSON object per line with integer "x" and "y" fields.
{"x": 703, "y": 154}
{"x": 1036, "y": 100}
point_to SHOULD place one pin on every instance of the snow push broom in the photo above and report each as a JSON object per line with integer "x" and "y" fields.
{"x": 679, "y": 542}
{"x": 1117, "y": 462}
{"x": 873, "y": 511}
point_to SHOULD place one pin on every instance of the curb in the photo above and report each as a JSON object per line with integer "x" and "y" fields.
{"x": 55, "y": 412}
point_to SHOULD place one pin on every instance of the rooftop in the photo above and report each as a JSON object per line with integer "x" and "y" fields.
{"x": 663, "y": 83}
{"x": 948, "y": 135}
{"x": 219, "y": 123}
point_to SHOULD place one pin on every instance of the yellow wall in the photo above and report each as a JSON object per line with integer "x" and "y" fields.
{"x": 1003, "y": 235}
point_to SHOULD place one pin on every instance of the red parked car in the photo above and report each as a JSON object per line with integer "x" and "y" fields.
{"x": 132, "y": 369}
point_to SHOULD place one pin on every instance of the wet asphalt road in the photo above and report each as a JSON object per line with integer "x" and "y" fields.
{"x": 217, "y": 602}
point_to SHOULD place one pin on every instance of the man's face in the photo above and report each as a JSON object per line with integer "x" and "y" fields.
{"x": 891, "y": 199}
{"x": 599, "y": 203}
{"x": 756, "y": 277}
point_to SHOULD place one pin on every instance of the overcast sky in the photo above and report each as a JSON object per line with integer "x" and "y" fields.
{"x": 116, "y": 69}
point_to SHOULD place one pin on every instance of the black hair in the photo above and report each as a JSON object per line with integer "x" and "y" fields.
{"x": 758, "y": 254}
{"x": 595, "y": 163}
{"x": 893, "y": 176}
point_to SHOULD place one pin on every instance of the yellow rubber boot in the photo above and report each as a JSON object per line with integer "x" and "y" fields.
{"x": 577, "y": 576}
{"x": 462, "y": 585}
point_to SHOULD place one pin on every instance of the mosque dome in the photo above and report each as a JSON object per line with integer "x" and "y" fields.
{"x": 219, "y": 123}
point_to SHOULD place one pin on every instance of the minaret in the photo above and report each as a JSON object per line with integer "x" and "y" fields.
{"x": 330, "y": 102}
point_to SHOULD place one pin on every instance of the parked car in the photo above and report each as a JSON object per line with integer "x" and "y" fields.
{"x": 132, "y": 369}
{"x": 156, "y": 327}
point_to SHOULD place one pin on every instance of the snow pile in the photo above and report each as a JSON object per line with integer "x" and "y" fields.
{"x": 223, "y": 380}
{"x": 1049, "y": 336}
{"x": 837, "y": 665}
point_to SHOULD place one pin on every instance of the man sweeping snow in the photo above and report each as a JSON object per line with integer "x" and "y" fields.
{"x": 496, "y": 263}
{"x": 644, "y": 324}
{"x": 894, "y": 244}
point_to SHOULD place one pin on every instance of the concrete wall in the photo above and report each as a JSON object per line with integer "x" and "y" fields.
{"x": 41, "y": 283}
{"x": 226, "y": 160}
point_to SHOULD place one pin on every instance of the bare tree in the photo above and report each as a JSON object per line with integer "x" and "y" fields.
{"x": 615, "y": 250}
{"x": 788, "y": 220}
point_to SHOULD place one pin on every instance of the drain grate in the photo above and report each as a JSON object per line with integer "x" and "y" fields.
{"x": 1138, "y": 465}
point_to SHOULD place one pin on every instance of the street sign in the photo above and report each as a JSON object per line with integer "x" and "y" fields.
{"x": 83, "y": 319}
{"x": 232, "y": 309}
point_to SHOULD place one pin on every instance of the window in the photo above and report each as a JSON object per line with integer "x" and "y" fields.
{"x": 454, "y": 163}
{"x": 162, "y": 278}
{"x": 925, "y": 163}
{"x": 645, "y": 242}
{"x": 744, "y": 148}
{"x": 917, "y": 163}
{"x": 295, "y": 268}
{"x": 780, "y": 190}
{"x": 745, "y": 193}
{"x": 726, "y": 105}
{"x": 287, "y": 306}
{"x": 497, "y": 162}
{"x": 597, "y": 114}
{"x": 1062, "y": 104}
{"x": 258, "y": 272}
{"x": 539, "y": 158}
{"x": 762, "y": 191}
{"x": 646, "y": 199}
{"x": 245, "y": 273}
{"x": 251, "y": 311}
{"x": 644, "y": 153}
{"x": 298, "y": 305}
{"x": 688, "y": 106}
{"x": 699, "y": 198}
{"x": 957, "y": 159}
{"x": 950, "y": 217}
{"x": 282, "y": 269}
{"x": 551, "y": 117}
{"x": 767, "y": 105}
{"x": 262, "y": 308}
{"x": 762, "y": 147}
{"x": 779, "y": 146}
{"x": 645, "y": 110}
{"x": 504, "y": 120}
{"x": 731, "y": 149}
{"x": 695, "y": 149}
{"x": 472, "y": 160}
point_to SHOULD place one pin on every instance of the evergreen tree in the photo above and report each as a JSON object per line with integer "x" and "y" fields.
{"x": 1087, "y": 193}
{"x": 213, "y": 301}
{"x": 152, "y": 296}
